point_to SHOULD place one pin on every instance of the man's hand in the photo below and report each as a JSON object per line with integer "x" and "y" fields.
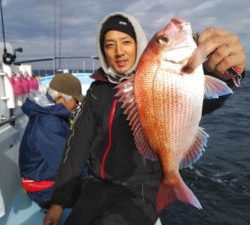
{"x": 223, "y": 51}
{"x": 53, "y": 215}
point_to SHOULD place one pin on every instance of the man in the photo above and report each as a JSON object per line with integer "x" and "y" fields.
{"x": 44, "y": 137}
{"x": 122, "y": 187}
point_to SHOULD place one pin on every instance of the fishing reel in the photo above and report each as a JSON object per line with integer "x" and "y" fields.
{"x": 9, "y": 58}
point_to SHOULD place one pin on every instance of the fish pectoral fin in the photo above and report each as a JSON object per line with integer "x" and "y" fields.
{"x": 198, "y": 57}
{"x": 215, "y": 87}
{"x": 196, "y": 150}
{"x": 125, "y": 95}
{"x": 142, "y": 144}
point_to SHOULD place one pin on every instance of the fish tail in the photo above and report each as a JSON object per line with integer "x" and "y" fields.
{"x": 169, "y": 193}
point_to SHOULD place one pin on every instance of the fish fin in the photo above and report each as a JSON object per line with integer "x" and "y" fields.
{"x": 125, "y": 95}
{"x": 198, "y": 57}
{"x": 196, "y": 150}
{"x": 215, "y": 87}
{"x": 169, "y": 193}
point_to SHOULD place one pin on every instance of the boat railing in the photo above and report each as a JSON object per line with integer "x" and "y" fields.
{"x": 10, "y": 119}
{"x": 13, "y": 81}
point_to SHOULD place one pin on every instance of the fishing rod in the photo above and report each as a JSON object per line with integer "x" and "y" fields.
{"x": 8, "y": 58}
{"x": 55, "y": 58}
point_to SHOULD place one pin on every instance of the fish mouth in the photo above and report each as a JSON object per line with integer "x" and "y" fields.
{"x": 178, "y": 21}
{"x": 182, "y": 24}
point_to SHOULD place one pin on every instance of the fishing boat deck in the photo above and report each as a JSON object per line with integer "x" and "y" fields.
{"x": 22, "y": 211}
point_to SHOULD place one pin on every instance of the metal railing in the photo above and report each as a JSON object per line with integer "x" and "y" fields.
{"x": 11, "y": 119}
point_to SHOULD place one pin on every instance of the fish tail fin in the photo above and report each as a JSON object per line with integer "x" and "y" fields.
{"x": 166, "y": 195}
{"x": 169, "y": 193}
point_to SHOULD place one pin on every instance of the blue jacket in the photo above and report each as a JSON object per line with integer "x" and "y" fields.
{"x": 43, "y": 140}
{"x": 42, "y": 143}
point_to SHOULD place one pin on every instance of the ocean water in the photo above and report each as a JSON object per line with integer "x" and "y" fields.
{"x": 221, "y": 178}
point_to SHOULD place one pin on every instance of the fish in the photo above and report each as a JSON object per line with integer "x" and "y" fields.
{"x": 163, "y": 105}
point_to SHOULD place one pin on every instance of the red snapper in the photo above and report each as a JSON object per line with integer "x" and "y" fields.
{"x": 164, "y": 107}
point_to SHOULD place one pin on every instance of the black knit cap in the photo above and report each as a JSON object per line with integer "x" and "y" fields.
{"x": 118, "y": 23}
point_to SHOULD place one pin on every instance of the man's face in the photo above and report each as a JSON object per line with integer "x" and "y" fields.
{"x": 120, "y": 51}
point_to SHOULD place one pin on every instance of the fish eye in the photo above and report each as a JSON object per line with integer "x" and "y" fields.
{"x": 163, "y": 40}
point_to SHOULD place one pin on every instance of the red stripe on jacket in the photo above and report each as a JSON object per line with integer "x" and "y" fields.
{"x": 107, "y": 150}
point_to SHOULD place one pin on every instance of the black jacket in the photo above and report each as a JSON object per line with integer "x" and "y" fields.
{"x": 107, "y": 142}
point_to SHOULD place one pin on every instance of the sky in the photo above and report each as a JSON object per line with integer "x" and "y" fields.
{"x": 34, "y": 24}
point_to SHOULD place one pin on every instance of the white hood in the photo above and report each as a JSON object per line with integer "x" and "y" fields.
{"x": 141, "y": 44}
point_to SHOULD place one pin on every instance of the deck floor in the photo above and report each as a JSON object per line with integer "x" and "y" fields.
{"x": 22, "y": 212}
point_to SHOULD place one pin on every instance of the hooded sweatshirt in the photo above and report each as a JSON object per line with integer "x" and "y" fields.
{"x": 141, "y": 42}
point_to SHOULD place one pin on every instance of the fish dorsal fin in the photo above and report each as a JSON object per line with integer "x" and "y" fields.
{"x": 196, "y": 150}
{"x": 215, "y": 87}
{"x": 125, "y": 95}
